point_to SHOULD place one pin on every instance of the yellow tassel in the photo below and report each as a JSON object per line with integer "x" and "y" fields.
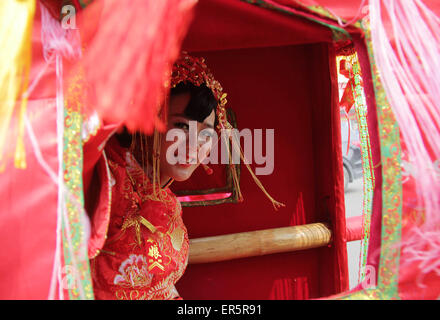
{"x": 156, "y": 164}
{"x": 16, "y": 20}
{"x": 235, "y": 178}
{"x": 147, "y": 224}
{"x": 158, "y": 194}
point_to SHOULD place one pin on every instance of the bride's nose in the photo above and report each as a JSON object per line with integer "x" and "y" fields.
{"x": 194, "y": 143}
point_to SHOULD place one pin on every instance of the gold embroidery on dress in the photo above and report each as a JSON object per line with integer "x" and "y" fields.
{"x": 136, "y": 220}
{"x": 177, "y": 237}
{"x": 162, "y": 290}
{"x": 133, "y": 295}
{"x": 135, "y": 272}
{"x": 156, "y": 258}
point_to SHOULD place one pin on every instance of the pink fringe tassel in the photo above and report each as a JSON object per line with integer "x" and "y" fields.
{"x": 411, "y": 76}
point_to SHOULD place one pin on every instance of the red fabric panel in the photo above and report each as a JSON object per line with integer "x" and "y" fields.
{"x": 338, "y": 215}
{"x": 97, "y": 186}
{"x": 28, "y": 202}
{"x": 278, "y": 88}
{"x": 354, "y": 228}
{"x": 93, "y": 151}
{"x": 100, "y": 208}
{"x": 329, "y": 198}
{"x": 344, "y": 9}
{"x": 373, "y": 131}
{"x": 231, "y": 24}
{"x": 28, "y": 198}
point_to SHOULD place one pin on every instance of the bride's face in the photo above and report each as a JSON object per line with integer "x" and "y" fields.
{"x": 201, "y": 134}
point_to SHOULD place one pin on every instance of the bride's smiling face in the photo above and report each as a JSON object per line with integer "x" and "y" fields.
{"x": 184, "y": 113}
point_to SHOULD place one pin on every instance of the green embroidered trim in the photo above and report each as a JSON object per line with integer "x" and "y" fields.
{"x": 338, "y": 36}
{"x": 76, "y": 262}
{"x": 321, "y": 11}
{"x": 388, "y": 273}
{"x": 367, "y": 162}
{"x": 326, "y": 13}
{"x": 389, "y": 134}
{"x": 85, "y": 3}
{"x": 338, "y": 32}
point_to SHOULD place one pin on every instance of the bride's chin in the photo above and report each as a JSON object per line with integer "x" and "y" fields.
{"x": 181, "y": 174}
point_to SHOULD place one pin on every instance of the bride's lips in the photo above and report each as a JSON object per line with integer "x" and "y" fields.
{"x": 185, "y": 165}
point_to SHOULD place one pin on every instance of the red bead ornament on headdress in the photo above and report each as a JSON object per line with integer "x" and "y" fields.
{"x": 194, "y": 70}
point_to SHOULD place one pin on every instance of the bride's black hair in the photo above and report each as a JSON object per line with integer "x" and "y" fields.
{"x": 202, "y": 101}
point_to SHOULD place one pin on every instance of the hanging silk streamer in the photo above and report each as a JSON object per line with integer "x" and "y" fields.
{"x": 16, "y": 18}
{"x": 367, "y": 165}
{"x": 411, "y": 78}
{"x": 128, "y": 59}
{"x": 353, "y": 96}
{"x": 72, "y": 222}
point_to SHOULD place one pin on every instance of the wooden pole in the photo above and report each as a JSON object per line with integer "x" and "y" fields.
{"x": 258, "y": 243}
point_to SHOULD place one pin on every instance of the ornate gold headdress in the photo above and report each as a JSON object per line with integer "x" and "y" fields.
{"x": 194, "y": 70}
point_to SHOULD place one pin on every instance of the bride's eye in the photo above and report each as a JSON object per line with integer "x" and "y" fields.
{"x": 207, "y": 133}
{"x": 181, "y": 125}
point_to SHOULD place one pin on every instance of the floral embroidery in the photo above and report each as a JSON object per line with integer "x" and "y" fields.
{"x": 133, "y": 272}
{"x": 130, "y": 295}
{"x": 163, "y": 290}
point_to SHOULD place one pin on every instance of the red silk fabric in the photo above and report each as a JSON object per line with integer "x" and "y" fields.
{"x": 207, "y": 197}
{"x": 136, "y": 262}
{"x": 354, "y": 228}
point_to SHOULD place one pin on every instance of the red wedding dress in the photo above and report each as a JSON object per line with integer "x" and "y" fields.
{"x": 139, "y": 244}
